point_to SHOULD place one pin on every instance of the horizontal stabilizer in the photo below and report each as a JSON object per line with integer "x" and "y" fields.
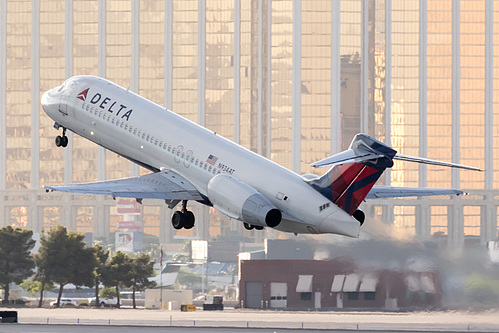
{"x": 362, "y": 149}
{"x": 347, "y": 156}
{"x": 406, "y": 158}
{"x": 382, "y": 192}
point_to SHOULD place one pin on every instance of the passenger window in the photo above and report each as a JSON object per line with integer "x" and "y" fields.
{"x": 147, "y": 138}
{"x": 121, "y": 125}
{"x": 134, "y": 131}
{"x": 169, "y": 148}
{"x": 112, "y": 122}
{"x": 143, "y": 135}
{"x": 126, "y": 127}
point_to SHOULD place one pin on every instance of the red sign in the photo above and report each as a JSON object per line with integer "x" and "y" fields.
{"x": 129, "y": 225}
{"x": 128, "y": 207}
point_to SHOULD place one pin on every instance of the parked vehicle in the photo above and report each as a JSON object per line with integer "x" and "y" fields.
{"x": 64, "y": 302}
{"x": 105, "y": 302}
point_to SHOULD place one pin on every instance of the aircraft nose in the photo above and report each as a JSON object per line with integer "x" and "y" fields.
{"x": 49, "y": 101}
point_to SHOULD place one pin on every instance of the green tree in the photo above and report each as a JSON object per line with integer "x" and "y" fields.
{"x": 34, "y": 288}
{"x": 117, "y": 273}
{"x": 63, "y": 259}
{"x": 142, "y": 270}
{"x": 16, "y": 262}
{"x": 107, "y": 293}
{"x": 101, "y": 257}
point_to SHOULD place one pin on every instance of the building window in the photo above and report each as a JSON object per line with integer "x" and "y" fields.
{"x": 353, "y": 296}
{"x": 306, "y": 296}
{"x": 369, "y": 296}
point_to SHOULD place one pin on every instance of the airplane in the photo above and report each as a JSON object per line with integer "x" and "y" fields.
{"x": 190, "y": 162}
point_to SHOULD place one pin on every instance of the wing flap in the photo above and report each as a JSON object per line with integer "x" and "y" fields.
{"x": 380, "y": 192}
{"x": 161, "y": 185}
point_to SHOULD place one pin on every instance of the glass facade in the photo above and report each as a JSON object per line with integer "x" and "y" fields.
{"x": 427, "y": 64}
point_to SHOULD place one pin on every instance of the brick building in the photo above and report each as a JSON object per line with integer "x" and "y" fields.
{"x": 334, "y": 284}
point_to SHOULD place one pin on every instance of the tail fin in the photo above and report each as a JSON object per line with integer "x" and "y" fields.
{"x": 354, "y": 173}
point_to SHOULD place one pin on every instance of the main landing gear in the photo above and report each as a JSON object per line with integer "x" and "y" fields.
{"x": 248, "y": 226}
{"x": 183, "y": 218}
{"x": 62, "y": 141}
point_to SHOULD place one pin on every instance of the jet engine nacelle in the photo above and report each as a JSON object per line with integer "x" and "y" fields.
{"x": 241, "y": 201}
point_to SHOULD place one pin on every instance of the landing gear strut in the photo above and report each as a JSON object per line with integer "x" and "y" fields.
{"x": 183, "y": 218}
{"x": 62, "y": 141}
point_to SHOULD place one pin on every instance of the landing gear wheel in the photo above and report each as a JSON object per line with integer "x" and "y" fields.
{"x": 189, "y": 220}
{"x": 248, "y": 226}
{"x": 178, "y": 220}
{"x": 258, "y": 227}
{"x": 64, "y": 142}
{"x": 58, "y": 141}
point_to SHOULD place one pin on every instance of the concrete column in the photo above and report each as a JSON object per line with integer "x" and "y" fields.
{"x": 269, "y": 79}
{"x": 101, "y": 71}
{"x": 296, "y": 89}
{"x": 423, "y": 88}
{"x": 168, "y": 54}
{"x": 335, "y": 78}
{"x": 135, "y": 61}
{"x": 456, "y": 89}
{"x": 388, "y": 82}
{"x": 488, "y": 223}
{"x": 3, "y": 97}
{"x": 455, "y": 226}
{"x": 68, "y": 72}
{"x": 388, "y": 214}
{"x": 98, "y": 218}
{"x": 237, "y": 71}
{"x": 423, "y": 223}
{"x": 202, "y": 62}
{"x": 260, "y": 77}
{"x": 489, "y": 94}
{"x": 35, "y": 93}
{"x": 364, "y": 69}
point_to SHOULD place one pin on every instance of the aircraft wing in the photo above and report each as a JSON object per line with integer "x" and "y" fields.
{"x": 381, "y": 192}
{"x": 166, "y": 185}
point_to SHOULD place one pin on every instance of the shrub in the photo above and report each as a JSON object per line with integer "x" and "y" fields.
{"x": 83, "y": 304}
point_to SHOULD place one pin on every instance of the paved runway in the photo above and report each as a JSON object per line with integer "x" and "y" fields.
{"x": 140, "y": 320}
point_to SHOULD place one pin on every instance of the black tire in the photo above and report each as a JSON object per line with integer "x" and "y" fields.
{"x": 189, "y": 220}
{"x": 58, "y": 141}
{"x": 248, "y": 226}
{"x": 103, "y": 305}
{"x": 178, "y": 220}
{"x": 65, "y": 141}
{"x": 258, "y": 227}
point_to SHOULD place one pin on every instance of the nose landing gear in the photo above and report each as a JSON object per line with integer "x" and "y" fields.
{"x": 62, "y": 141}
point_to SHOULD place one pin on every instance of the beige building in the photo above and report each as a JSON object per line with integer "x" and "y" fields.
{"x": 292, "y": 80}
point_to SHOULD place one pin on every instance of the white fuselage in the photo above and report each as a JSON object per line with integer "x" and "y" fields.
{"x": 147, "y": 133}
